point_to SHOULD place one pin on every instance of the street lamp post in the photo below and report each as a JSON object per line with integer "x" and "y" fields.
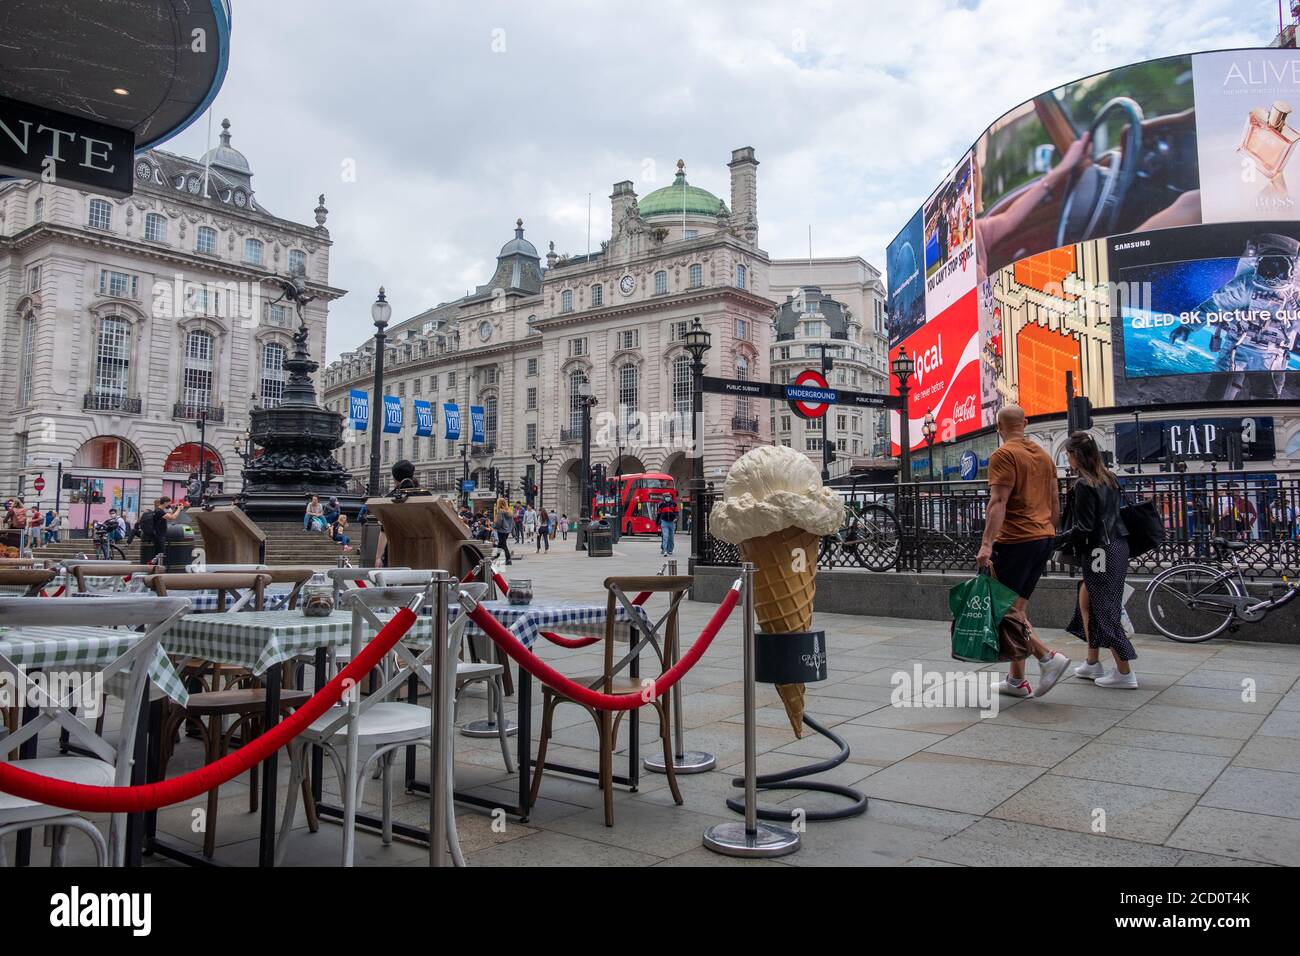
{"x": 586, "y": 399}
{"x": 380, "y": 311}
{"x": 696, "y": 342}
{"x": 827, "y": 366}
{"x": 1137, "y": 437}
{"x": 203, "y": 455}
{"x": 244, "y": 450}
{"x": 542, "y": 457}
{"x": 928, "y": 429}
{"x": 464, "y": 476}
{"x": 902, "y": 366}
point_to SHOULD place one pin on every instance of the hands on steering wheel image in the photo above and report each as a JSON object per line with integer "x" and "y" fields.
{"x": 1108, "y": 154}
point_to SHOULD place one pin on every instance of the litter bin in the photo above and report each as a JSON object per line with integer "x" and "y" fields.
{"x": 180, "y": 546}
{"x": 600, "y": 540}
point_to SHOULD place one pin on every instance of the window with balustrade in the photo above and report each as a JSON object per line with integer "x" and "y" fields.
{"x": 196, "y": 381}
{"x": 113, "y": 357}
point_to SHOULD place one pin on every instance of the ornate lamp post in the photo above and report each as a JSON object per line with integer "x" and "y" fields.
{"x": 381, "y": 312}
{"x": 928, "y": 429}
{"x": 243, "y": 446}
{"x": 902, "y": 367}
{"x": 542, "y": 457}
{"x": 587, "y": 400}
{"x": 696, "y": 342}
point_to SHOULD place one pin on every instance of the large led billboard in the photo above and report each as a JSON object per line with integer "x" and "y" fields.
{"x": 1167, "y": 179}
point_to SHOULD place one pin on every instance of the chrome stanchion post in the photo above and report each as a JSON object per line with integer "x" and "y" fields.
{"x": 488, "y": 727}
{"x": 751, "y": 838}
{"x": 439, "y": 718}
{"x": 684, "y": 761}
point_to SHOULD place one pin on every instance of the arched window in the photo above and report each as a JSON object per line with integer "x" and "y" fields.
{"x": 272, "y": 374}
{"x": 100, "y": 214}
{"x": 741, "y": 272}
{"x": 697, "y": 275}
{"x": 566, "y": 300}
{"x": 627, "y": 395}
{"x": 38, "y": 210}
{"x": 661, "y": 282}
{"x": 682, "y": 396}
{"x": 253, "y": 251}
{"x": 577, "y": 381}
{"x": 490, "y": 419}
{"x": 28, "y": 357}
{"x": 196, "y": 383}
{"x": 155, "y": 227}
{"x": 742, "y": 375}
{"x": 112, "y": 362}
{"x": 205, "y": 241}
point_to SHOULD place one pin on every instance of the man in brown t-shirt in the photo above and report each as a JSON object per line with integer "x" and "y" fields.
{"x": 1019, "y": 530}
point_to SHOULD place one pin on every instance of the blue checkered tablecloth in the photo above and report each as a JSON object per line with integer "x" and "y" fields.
{"x": 525, "y": 621}
{"x": 276, "y": 598}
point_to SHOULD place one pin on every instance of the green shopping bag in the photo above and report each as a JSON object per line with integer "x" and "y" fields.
{"x": 978, "y": 606}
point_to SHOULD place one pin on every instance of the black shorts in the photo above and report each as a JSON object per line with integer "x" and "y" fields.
{"x": 1019, "y": 565}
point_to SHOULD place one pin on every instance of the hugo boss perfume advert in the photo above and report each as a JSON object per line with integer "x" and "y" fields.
{"x": 1247, "y": 134}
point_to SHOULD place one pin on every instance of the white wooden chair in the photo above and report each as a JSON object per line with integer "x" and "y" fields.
{"x": 365, "y": 733}
{"x": 111, "y": 765}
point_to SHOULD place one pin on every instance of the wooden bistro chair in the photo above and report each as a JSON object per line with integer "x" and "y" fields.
{"x": 104, "y": 764}
{"x": 279, "y": 575}
{"x": 227, "y": 693}
{"x": 91, "y": 576}
{"x": 612, "y": 681}
{"x": 25, "y": 582}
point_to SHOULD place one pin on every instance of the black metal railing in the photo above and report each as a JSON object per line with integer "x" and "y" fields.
{"x": 938, "y": 525}
{"x": 480, "y": 451}
{"x": 740, "y": 423}
{"x": 569, "y": 434}
{"x": 192, "y": 413}
{"x": 110, "y": 402}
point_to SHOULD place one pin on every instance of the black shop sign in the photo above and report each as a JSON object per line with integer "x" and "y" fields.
{"x": 1193, "y": 439}
{"x": 54, "y": 147}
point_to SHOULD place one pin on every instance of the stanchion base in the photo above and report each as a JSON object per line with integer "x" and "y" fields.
{"x": 692, "y": 761}
{"x": 730, "y": 839}
{"x": 487, "y": 728}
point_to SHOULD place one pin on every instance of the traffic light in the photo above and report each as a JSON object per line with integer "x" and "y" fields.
{"x": 1080, "y": 414}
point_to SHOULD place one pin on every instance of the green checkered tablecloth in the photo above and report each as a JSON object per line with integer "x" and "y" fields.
{"x": 259, "y": 640}
{"x": 49, "y": 648}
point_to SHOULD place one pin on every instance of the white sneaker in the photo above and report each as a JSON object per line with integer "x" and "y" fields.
{"x": 1119, "y": 681}
{"x": 1049, "y": 673}
{"x": 1014, "y": 690}
{"x": 1086, "y": 671}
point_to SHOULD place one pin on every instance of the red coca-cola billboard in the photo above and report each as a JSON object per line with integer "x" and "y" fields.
{"x": 947, "y": 377}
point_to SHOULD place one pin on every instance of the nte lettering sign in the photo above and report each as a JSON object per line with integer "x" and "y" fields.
{"x": 66, "y": 150}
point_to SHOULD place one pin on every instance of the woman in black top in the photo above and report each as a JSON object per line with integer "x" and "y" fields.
{"x": 1095, "y": 532}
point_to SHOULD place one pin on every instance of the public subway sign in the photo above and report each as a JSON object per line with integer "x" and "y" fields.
{"x": 67, "y": 150}
{"x": 392, "y": 414}
{"x": 795, "y": 392}
{"x": 359, "y": 409}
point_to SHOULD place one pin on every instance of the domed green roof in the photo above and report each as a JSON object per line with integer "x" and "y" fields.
{"x": 670, "y": 200}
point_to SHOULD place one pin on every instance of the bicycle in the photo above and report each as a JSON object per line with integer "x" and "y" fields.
{"x": 1191, "y": 603}
{"x": 871, "y": 536}
{"x": 105, "y": 547}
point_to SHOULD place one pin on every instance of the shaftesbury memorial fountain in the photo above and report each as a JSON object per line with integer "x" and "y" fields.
{"x": 296, "y": 437}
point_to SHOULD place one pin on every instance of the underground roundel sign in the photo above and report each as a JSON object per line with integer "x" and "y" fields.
{"x": 809, "y": 395}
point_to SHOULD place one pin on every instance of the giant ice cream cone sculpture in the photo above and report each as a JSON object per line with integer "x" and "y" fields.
{"x": 775, "y": 509}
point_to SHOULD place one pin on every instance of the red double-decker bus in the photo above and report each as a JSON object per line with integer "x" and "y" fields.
{"x": 636, "y": 500}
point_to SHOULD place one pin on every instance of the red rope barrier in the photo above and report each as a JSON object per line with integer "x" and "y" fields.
{"x": 585, "y": 695}
{"x": 77, "y": 796}
{"x": 573, "y": 643}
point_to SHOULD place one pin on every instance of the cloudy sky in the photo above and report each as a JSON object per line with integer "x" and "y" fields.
{"x": 430, "y": 125}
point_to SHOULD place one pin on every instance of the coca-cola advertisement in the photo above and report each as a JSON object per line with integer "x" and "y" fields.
{"x": 947, "y": 377}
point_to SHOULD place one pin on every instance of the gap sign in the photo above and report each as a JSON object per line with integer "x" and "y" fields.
{"x": 54, "y": 147}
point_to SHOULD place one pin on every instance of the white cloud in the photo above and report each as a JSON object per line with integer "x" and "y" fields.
{"x": 856, "y": 110}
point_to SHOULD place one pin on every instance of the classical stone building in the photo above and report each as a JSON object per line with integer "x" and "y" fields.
{"x": 524, "y": 343}
{"x": 130, "y": 321}
{"x": 839, "y": 303}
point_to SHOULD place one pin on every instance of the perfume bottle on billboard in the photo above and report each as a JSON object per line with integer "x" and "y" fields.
{"x": 1268, "y": 140}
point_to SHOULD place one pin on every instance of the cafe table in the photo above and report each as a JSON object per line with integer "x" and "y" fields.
{"x": 260, "y": 641}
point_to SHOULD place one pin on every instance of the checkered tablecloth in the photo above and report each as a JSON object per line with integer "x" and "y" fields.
{"x": 259, "y": 640}
{"x": 525, "y": 621}
{"x": 276, "y": 598}
{"x": 85, "y": 647}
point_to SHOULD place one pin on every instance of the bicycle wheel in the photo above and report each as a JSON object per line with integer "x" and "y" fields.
{"x": 1181, "y": 605}
{"x": 120, "y": 554}
{"x": 879, "y": 547}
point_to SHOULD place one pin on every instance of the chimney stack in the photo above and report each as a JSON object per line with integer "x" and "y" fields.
{"x": 744, "y": 192}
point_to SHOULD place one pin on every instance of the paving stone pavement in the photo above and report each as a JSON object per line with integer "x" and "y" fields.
{"x": 1199, "y": 767}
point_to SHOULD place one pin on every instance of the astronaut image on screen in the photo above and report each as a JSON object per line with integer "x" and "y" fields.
{"x": 1252, "y": 320}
